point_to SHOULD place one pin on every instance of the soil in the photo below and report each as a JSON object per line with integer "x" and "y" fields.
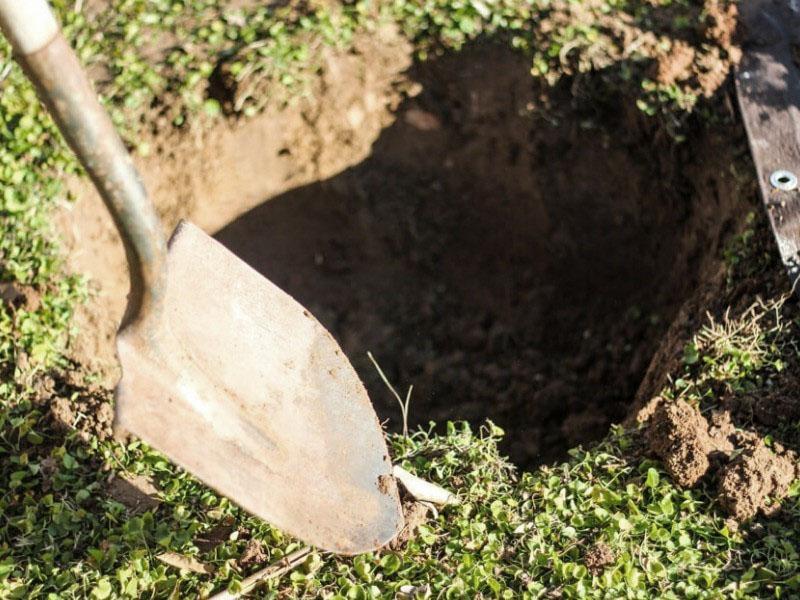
{"x": 16, "y": 296}
{"x": 253, "y": 554}
{"x": 510, "y": 251}
{"x": 679, "y": 436}
{"x": 76, "y": 406}
{"x": 414, "y": 515}
{"x": 598, "y": 557}
{"x": 726, "y": 449}
{"x": 676, "y": 65}
{"x": 756, "y": 481}
{"x": 135, "y": 492}
{"x": 216, "y": 535}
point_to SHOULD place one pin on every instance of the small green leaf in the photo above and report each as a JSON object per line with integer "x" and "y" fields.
{"x": 102, "y": 590}
{"x": 390, "y": 563}
{"x": 652, "y": 478}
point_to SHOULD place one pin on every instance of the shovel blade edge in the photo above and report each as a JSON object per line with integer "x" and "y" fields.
{"x": 242, "y": 387}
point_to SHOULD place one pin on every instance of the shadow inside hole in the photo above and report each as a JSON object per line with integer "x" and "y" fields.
{"x": 509, "y": 266}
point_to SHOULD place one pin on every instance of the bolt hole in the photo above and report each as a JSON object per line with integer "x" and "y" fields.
{"x": 783, "y": 180}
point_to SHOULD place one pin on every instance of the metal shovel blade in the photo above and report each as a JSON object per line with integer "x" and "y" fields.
{"x": 238, "y": 384}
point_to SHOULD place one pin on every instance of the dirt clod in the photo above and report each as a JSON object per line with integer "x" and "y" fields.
{"x": 676, "y": 65}
{"x": 722, "y": 21}
{"x": 679, "y": 435}
{"x": 17, "y": 295}
{"x": 422, "y": 120}
{"x": 76, "y": 405}
{"x": 598, "y": 557}
{"x": 414, "y": 514}
{"x": 89, "y": 413}
{"x": 750, "y": 477}
{"x": 253, "y": 554}
{"x": 755, "y": 481}
{"x": 62, "y": 414}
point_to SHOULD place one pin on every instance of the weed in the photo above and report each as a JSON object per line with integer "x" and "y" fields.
{"x": 404, "y": 404}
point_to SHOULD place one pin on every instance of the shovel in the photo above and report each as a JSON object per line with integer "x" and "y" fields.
{"x": 223, "y": 372}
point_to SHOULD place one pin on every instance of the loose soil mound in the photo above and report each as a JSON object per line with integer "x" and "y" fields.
{"x": 510, "y": 252}
{"x": 750, "y": 477}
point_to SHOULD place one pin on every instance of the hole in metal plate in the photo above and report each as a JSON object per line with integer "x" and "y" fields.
{"x": 783, "y": 180}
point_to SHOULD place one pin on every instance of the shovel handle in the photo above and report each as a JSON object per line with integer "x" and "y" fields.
{"x": 62, "y": 84}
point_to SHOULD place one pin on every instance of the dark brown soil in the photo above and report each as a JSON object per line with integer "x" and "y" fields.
{"x": 724, "y": 448}
{"x": 701, "y": 66}
{"x": 756, "y": 480}
{"x": 508, "y": 266}
{"x": 18, "y": 296}
{"x": 512, "y": 252}
{"x": 678, "y": 434}
{"x": 216, "y": 535}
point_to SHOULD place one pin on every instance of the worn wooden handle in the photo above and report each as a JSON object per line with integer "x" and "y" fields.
{"x": 53, "y": 67}
{"x": 28, "y": 24}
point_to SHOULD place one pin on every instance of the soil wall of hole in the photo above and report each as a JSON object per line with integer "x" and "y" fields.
{"x": 512, "y": 253}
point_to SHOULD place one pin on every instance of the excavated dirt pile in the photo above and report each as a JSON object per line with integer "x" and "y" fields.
{"x": 512, "y": 252}
{"x": 749, "y": 476}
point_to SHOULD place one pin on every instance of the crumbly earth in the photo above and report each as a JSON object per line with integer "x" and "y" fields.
{"x": 253, "y": 554}
{"x": 749, "y": 476}
{"x": 598, "y": 557}
{"x": 509, "y": 250}
{"x": 76, "y": 406}
{"x": 216, "y": 535}
{"x": 756, "y": 480}
{"x": 678, "y": 435}
{"x": 19, "y": 296}
{"x": 414, "y": 515}
{"x": 770, "y": 408}
{"x": 686, "y": 441}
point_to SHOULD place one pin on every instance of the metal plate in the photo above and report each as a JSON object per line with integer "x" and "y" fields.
{"x": 242, "y": 387}
{"x": 768, "y": 86}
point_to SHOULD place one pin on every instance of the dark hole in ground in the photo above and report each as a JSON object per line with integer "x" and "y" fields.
{"x": 508, "y": 264}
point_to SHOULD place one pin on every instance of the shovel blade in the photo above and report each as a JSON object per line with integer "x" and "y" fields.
{"x": 241, "y": 386}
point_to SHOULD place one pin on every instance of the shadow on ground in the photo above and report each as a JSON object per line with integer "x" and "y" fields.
{"x": 512, "y": 252}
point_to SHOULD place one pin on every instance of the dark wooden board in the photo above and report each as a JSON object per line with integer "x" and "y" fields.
{"x": 768, "y": 86}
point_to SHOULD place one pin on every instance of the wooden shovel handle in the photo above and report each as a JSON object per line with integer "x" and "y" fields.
{"x": 63, "y": 86}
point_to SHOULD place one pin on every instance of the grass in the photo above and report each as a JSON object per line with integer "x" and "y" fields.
{"x": 514, "y": 535}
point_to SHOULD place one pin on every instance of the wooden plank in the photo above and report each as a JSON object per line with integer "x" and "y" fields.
{"x": 768, "y": 86}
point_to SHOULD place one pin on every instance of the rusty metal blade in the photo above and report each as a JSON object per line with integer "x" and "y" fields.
{"x": 768, "y": 86}
{"x": 241, "y": 386}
